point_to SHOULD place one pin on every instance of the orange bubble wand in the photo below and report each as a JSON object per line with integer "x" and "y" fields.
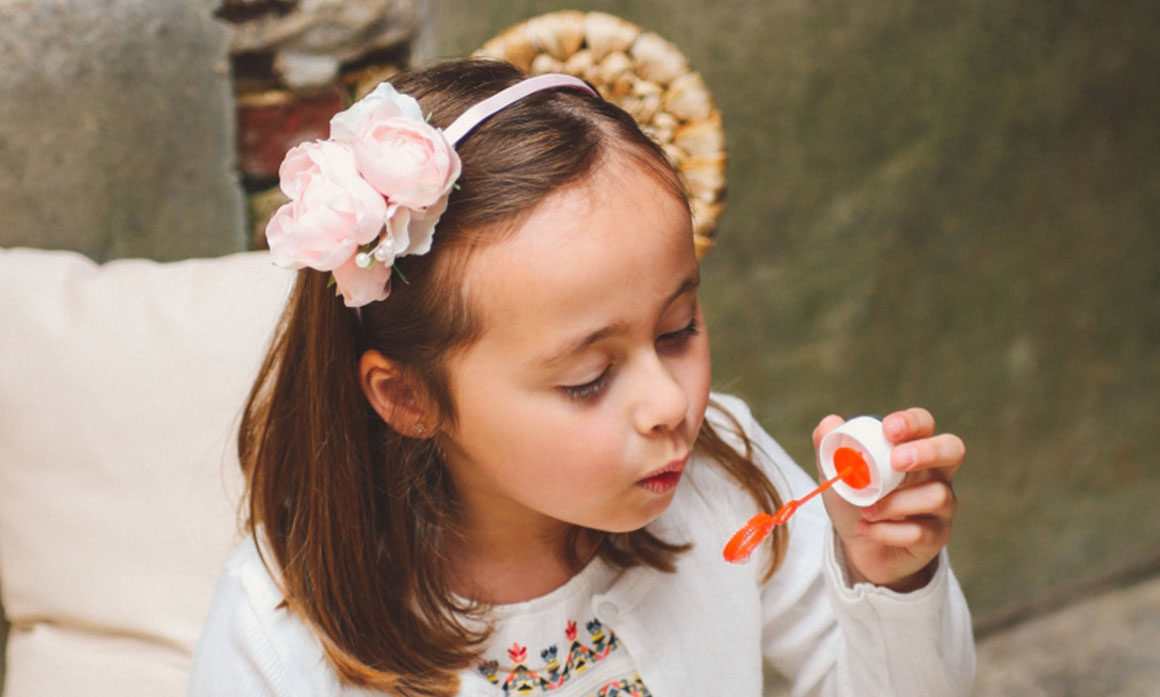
{"x": 852, "y": 470}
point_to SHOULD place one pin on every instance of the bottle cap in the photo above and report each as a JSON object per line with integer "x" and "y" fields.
{"x": 863, "y": 434}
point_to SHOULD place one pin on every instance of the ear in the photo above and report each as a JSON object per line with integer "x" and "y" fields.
{"x": 397, "y": 397}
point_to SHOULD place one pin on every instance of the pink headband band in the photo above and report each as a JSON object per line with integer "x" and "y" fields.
{"x": 480, "y": 112}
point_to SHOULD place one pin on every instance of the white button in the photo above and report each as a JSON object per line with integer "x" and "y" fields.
{"x": 607, "y": 611}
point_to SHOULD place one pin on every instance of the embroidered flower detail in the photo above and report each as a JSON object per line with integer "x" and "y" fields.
{"x": 518, "y": 653}
{"x": 372, "y": 192}
{"x": 522, "y": 679}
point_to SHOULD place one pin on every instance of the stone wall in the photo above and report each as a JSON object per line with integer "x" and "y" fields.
{"x": 116, "y": 129}
{"x": 144, "y": 128}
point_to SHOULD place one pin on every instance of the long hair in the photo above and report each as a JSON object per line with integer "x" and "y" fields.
{"x": 353, "y": 513}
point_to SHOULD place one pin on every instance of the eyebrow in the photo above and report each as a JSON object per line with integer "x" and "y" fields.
{"x": 571, "y": 348}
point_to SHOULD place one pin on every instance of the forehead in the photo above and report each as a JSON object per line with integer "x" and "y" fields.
{"x": 593, "y": 253}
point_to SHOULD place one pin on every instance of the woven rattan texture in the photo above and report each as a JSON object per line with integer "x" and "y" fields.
{"x": 645, "y": 75}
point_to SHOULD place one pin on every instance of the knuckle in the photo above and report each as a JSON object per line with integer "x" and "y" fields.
{"x": 924, "y": 450}
{"x": 921, "y": 417}
{"x": 933, "y": 537}
{"x": 950, "y": 448}
{"x": 944, "y": 497}
{"x": 924, "y": 536}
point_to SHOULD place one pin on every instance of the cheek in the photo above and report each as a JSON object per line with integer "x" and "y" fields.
{"x": 579, "y": 446}
{"x": 583, "y": 435}
{"x": 699, "y": 378}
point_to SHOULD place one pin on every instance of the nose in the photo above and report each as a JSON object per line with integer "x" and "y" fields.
{"x": 663, "y": 401}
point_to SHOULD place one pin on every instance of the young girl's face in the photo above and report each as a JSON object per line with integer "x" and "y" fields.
{"x": 580, "y": 403}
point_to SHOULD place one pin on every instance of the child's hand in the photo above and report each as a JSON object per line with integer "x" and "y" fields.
{"x": 893, "y": 542}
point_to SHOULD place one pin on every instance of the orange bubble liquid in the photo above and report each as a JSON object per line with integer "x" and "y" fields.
{"x": 852, "y": 470}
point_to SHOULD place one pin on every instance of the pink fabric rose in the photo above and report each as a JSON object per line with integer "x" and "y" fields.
{"x": 359, "y": 286}
{"x": 410, "y": 231}
{"x": 396, "y": 150}
{"x": 408, "y": 161}
{"x": 421, "y": 228}
{"x": 382, "y": 103}
{"x": 371, "y": 193}
{"x": 332, "y": 210}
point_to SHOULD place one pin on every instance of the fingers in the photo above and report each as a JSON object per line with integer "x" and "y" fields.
{"x": 922, "y": 538}
{"x": 944, "y": 452}
{"x": 894, "y": 540}
{"x": 917, "y": 518}
{"x": 908, "y": 424}
{"x": 933, "y": 498}
{"x": 916, "y": 445}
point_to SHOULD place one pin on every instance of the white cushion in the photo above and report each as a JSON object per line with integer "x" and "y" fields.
{"x": 121, "y": 386}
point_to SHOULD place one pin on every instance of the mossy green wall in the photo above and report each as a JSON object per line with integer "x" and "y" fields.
{"x": 952, "y": 204}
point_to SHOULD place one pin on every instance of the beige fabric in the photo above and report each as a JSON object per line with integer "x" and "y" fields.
{"x": 120, "y": 391}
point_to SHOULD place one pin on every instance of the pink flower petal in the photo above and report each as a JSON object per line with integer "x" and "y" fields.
{"x": 359, "y": 286}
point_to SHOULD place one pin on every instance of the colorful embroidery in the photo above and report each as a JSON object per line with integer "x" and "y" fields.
{"x": 625, "y": 688}
{"x": 522, "y": 680}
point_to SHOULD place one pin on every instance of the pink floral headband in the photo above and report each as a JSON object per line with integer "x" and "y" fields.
{"x": 375, "y": 189}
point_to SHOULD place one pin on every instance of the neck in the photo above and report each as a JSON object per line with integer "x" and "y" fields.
{"x": 497, "y": 569}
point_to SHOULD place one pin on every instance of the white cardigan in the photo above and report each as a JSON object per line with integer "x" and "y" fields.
{"x": 703, "y": 630}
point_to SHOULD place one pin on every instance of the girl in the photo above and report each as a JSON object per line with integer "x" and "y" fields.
{"x": 488, "y": 462}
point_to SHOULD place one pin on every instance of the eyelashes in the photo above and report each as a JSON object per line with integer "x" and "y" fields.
{"x": 681, "y": 335}
{"x": 591, "y": 390}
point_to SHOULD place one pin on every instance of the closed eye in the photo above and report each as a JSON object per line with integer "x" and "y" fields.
{"x": 590, "y": 390}
{"x": 593, "y": 389}
{"x": 681, "y": 335}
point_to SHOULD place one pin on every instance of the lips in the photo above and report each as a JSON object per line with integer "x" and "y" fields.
{"x": 666, "y": 478}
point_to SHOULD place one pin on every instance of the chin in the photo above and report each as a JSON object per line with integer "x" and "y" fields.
{"x": 649, "y": 513}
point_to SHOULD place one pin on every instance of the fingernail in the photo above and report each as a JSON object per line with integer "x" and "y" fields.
{"x": 869, "y": 512}
{"x": 862, "y": 528}
{"x": 903, "y": 458}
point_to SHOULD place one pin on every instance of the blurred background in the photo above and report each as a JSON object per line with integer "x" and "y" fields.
{"x": 948, "y": 204}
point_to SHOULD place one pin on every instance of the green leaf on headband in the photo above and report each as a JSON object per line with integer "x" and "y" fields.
{"x": 331, "y": 282}
{"x": 404, "y": 278}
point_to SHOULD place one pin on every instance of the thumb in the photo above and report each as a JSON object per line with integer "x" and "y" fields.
{"x": 825, "y": 426}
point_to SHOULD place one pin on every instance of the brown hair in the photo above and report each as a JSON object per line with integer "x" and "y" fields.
{"x": 353, "y": 512}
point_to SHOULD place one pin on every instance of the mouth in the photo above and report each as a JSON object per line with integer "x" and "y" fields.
{"x": 666, "y": 478}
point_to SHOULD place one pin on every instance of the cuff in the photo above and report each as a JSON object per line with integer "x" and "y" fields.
{"x": 838, "y": 578}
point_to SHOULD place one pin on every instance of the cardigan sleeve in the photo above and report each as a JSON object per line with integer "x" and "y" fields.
{"x": 831, "y": 638}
